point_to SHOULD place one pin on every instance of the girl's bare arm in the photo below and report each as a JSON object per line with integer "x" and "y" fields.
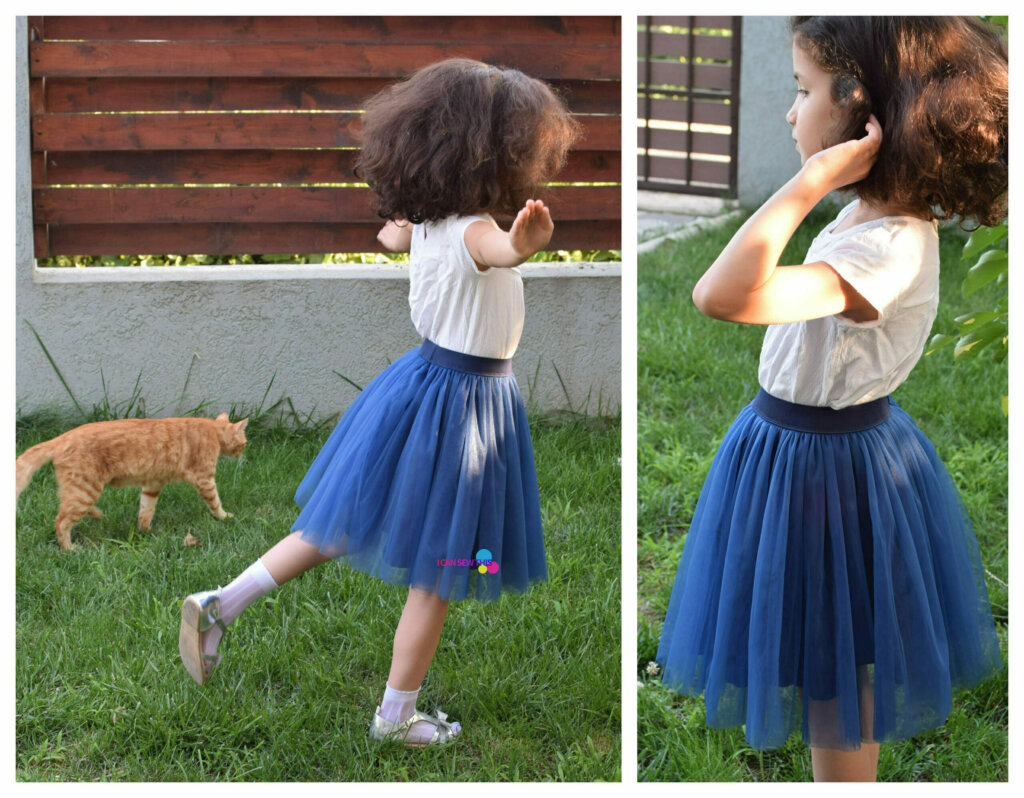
{"x": 530, "y": 233}
{"x": 745, "y": 283}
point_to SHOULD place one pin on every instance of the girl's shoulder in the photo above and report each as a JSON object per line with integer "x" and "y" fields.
{"x": 444, "y": 241}
{"x": 459, "y": 220}
{"x": 885, "y": 240}
{"x": 452, "y": 227}
{"x": 889, "y": 260}
{"x": 886, "y": 225}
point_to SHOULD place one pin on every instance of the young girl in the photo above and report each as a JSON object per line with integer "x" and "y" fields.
{"x": 428, "y": 480}
{"x": 831, "y": 581}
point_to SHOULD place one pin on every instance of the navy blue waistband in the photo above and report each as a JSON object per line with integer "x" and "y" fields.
{"x": 460, "y": 361}
{"x": 804, "y": 418}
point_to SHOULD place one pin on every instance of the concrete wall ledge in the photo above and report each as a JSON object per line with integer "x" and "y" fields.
{"x": 218, "y": 335}
{"x": 369, "y": 271}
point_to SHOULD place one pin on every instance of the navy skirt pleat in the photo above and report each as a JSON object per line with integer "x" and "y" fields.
{"x": 428, "y": 478}
{"x": 830, "y": 583}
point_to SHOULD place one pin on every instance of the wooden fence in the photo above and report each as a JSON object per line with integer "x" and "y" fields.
{"x": 688, "y": 71}
{"x": 218, "y": 135}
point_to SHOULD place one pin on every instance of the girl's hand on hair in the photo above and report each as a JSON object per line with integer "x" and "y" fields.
{"x": 395, "y": 237}
{"x": 531, "y": 230}
{"x": 747, "y": 284}
{"x": 846, "y": 163}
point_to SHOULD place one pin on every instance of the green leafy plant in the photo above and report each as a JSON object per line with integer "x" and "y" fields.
{"x": 988, "y": 328}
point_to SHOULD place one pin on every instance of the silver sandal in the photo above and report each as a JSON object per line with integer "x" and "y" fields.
{"x": 444, "y": 733}
{"x": 199, "y": 612}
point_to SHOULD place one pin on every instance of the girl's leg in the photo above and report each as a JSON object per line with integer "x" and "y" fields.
{"x": 832, "y": 765}
{"x": 290, "y": 557}
{"x": 829, "y": 764}
{"x": 416, "y": 639}
{"x": 287, "y": 559}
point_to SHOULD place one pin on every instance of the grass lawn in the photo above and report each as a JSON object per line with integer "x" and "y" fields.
{"x": 101, "y": 694}
{"x": 694, "y": 375}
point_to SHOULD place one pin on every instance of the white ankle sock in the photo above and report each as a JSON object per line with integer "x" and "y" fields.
{"x": 400, "y": 705}
{"x": 253, "y": 583}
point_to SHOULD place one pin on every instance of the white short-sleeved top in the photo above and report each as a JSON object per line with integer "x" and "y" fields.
{"x": 893, "y": 262}
{"x": 453, "y": 303}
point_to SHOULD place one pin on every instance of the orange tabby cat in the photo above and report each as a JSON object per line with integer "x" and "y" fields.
{"x": 143, "y": 451}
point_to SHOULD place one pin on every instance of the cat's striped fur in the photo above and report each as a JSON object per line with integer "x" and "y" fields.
{"x": 148, "y": 452}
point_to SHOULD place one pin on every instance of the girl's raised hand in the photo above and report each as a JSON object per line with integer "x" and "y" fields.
{"x": 746, "y": 284}
{"x": 395, "y": 237}
{"x": 846, "y": 163}
{"x": 531, "y": 230}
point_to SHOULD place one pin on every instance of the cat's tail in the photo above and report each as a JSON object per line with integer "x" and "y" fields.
{"x": 30, "y": 461}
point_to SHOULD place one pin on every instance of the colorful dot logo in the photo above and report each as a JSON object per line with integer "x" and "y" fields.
{"x": 487, "y": 564}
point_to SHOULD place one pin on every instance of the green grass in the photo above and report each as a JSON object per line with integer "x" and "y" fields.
{"x": 101, "y": 695}
{"x": 694, "y": 375}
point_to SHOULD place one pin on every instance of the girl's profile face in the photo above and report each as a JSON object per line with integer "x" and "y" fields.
{"x": 811, "y": 112}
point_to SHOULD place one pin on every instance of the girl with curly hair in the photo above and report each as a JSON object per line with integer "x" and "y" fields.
{"x": 428, "y": 480}
{"x": 831, "y": 581}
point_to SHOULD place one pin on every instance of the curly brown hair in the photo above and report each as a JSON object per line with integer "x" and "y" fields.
{"x": 460, "y": 137}
{"x": 938, "y": 86}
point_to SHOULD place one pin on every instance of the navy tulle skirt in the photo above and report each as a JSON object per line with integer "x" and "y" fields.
{"x": 830, "y": 583}
{"x": 428, "y": 480}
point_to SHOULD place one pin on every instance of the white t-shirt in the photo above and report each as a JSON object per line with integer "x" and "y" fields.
{"x": 893, "y": 262}
{"x": 454, "y": 304}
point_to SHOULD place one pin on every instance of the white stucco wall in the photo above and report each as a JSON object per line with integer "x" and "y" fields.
{"x": 231, "y": 330}
{"x": 767, "y": 157}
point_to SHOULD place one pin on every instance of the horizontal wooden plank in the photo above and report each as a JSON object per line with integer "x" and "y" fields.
{"x": 197, "y": 166}
{"x": 590, "y": 166}
{"x": 600, "y": 133}
{"x": 36, "y": 95}
{"x": 674, "y": 169}
{"x": 68, "y": 95}
{"x": 192, "y": 131}
{"x": 172, "y": 205}
{"x": 679, "y": 45}
{"x": 677, "y": 140}
{"x": 39, "y": 164}
{"x": 169, "y": 59}
{"x": 213, "y": 239}
{"x": 704, "y": 112}
{"x": 41, "y": 241}
{"x": 713, "y": 22}
{"x": 669, "y": 73}
{"x": 718, "y": 23}
{"x": 250, "y": 166}
{"x": 227, "y": 239}
{"x": 391, "y": 30}
{"x": 257, "y": 204}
